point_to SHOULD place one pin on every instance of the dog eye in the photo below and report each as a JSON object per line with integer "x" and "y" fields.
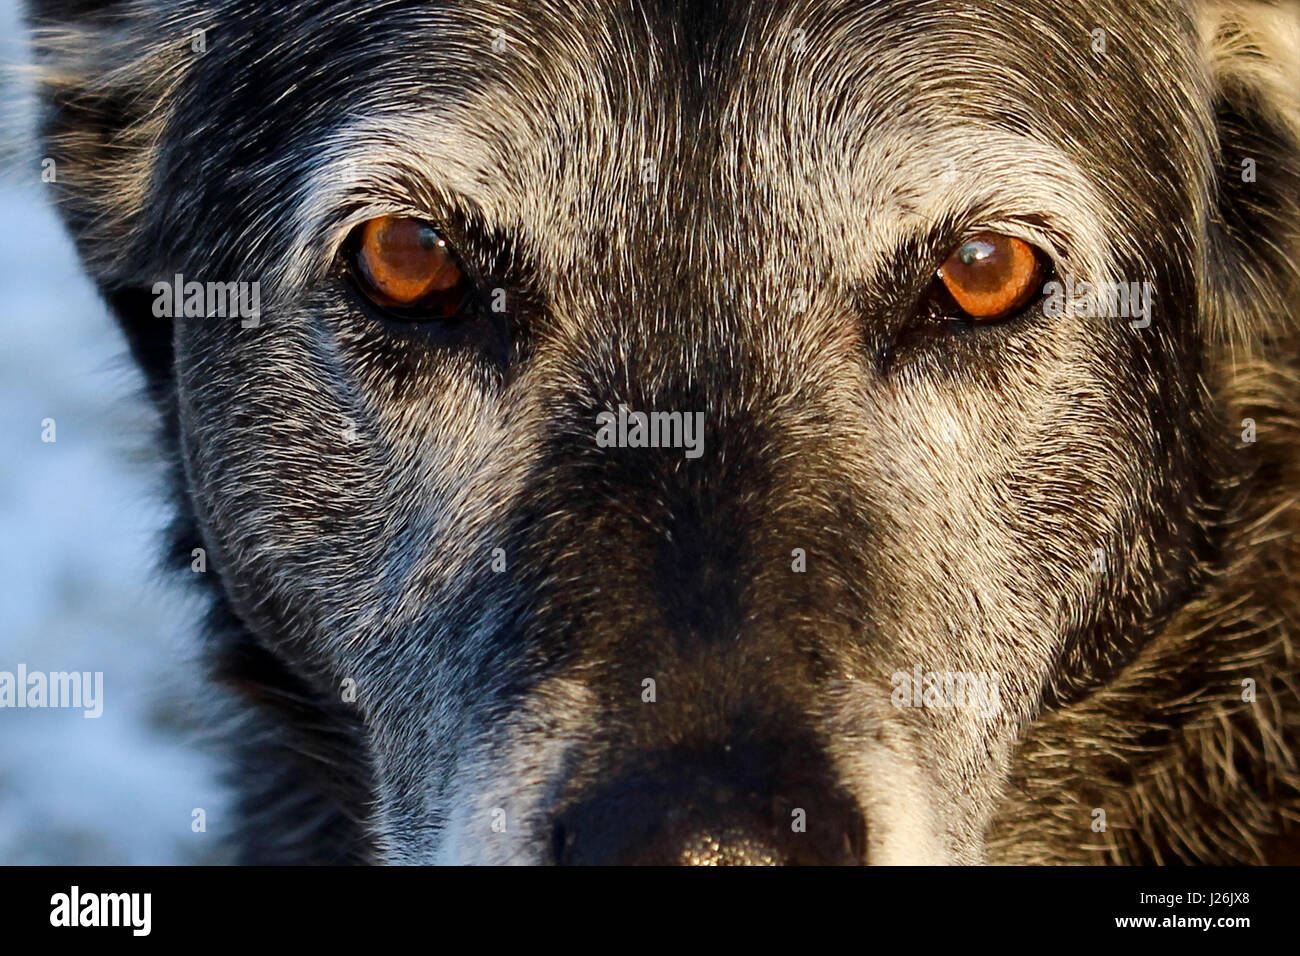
{"x": 991, "y": 276}
{"x": 402, "y": 263}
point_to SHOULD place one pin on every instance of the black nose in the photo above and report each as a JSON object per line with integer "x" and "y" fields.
{"x": 755, "y": 808}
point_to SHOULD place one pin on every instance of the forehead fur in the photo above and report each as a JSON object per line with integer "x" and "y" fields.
{"x": 819, "y": 122}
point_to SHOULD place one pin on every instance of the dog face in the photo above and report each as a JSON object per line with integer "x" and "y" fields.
{"x": 890, "y": 526}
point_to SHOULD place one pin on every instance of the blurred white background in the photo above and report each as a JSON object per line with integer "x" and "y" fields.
{"x": 80, "y": 543}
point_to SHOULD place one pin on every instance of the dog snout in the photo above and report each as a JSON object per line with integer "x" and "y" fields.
{"x": 686, "y": 814}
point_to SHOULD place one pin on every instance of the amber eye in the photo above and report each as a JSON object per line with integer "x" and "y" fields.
{"x": 403, "y": 263}
{"x": 991, "y": 276}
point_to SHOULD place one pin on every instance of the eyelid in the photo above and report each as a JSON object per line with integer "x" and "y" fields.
{"x": 341, "y": 231}
{"x": 1041, "y": 236}
{"x": 909, "y": 270}
{"x": 1053, "y": 246}
{"x": 382, "y": 190}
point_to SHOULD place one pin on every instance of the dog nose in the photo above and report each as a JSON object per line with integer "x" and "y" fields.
{"x": 688, "y": 817}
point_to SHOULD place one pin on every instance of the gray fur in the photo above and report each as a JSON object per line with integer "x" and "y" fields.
{"x": 950, "y": 496}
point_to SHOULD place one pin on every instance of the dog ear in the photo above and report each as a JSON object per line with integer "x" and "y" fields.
{"x": 1253, "y": 54}
{"x": 104, "y": 70}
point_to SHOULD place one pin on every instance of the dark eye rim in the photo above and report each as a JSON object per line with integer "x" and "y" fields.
{"x": 420, "y": 312}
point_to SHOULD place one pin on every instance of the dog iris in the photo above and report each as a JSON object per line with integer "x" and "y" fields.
{"x": 402, "y": 262}
{"x": 990, "y": 275}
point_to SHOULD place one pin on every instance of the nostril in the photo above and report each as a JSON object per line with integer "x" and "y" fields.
{"x": 855, "y": 837}
{"x": 559, "y": 843}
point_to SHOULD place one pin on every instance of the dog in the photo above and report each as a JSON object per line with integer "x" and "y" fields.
{"x": 788, "y": 432}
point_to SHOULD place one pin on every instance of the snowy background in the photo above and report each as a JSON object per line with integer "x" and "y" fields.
{"x": 80, "y": 588}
